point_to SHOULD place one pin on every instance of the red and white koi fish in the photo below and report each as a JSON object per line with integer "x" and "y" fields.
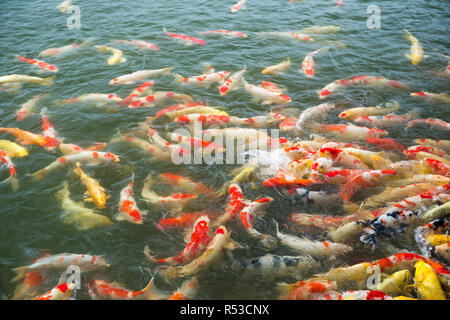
{"x": 204, "y": 80}
{"x": 25, "y": 137}
{"x": 95, "y": 98}
{"x": 226, "y": 33}
{"x": 140, "y": 44}
{"x": 198, "y": 241}
{"x": 239, "y": 5}
{"x": 342, "y": 158}
{"x": 271, "y": 86}
{"x": 61, "y": 262}
{"x": 286, "y": 179}
{"x": 181, "y": 109}
{"x": 173, "y": 148}
{"x": 265, "y": 96}
{"x": 311, "y": 289}
{"x": 187, "y": 290}
{"x": 183, "y": 184}
{"x": 183, "y": 220}
{"x": 57, "y": 52}
{"x": 348, "y": 131}
{"x": 60, "y": 292}
{"x": 27, "y": 109}
{"x": 432, "y": 97}
{"x": 366, "y": 179}
{"x": 128, "y": 209}
{"x": 28, "y": 288}
{"x": 68, "y": 148}
{"x": 288, "y": 35}
{"x": 386, "y": 121}
{"x": 157, "y": 97}
{"x": 249, "y": 213}
{"x": 140, "y": 75}
{"x": 213, "y": 253}
{"x": 313, "y": 113}
{"x": 235, "y": 204}
{"x": 321, "y": 221}
{"x": 48, "y": 132}
{"x": 189, "y": 41}
{"x": 411, "y": 151}
{"x": 312, "y": 248}
{"x": 175, "y": 201}
{"x": 308, "y": 66}
{"x": 443, "y": 144}
{"x": 142, "y": 90}
{"x": 437, "y": 167}
{"x": 6, "y": 161}
{"x": 14, "y": 79}
{"x": 206, "y": 120}
{"x": 438, "y": 123}
{"x": 321, "y": 29}
{"x": 92, "y": 157}
{"x": 155, "y": 151}
{"x": 352, "y": 114}
{"x": 112, "y": 291}
{"x": 43, "y": 66}
{"x": 386, "y": 144}
{"x": 195, "y": 143}
{"x": 232, "y": 82}
{"x": 278, "y": 68}
{"x": 341, "y": 84}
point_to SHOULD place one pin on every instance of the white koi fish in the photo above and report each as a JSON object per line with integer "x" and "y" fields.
{"x": 117, "y": 55}
{"x": 19, "y": 78}
{"x": 128, "y": 209}
{"x": 27, "y": 109}
{"x": 232, "y": 82}
{"x": 140, "y": 44}
{"x": 140, "y": 75}
{"x": 278, "y": 68}
{"x": 264, "y": 95}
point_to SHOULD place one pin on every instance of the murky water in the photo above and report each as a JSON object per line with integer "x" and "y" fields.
{"x": 30, "y": 218}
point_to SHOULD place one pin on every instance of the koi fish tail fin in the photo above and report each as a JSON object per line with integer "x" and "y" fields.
{"x": 13, "y": 182}
{"x": 347, "y": 191}
{"x": 407, "y": 33}
{"x": 284, "y": 289}
{"x": 64, "y": 192}
{"x": 178, "y": 78}
{"x": 47, "y": 81}
{"x": 148, "y": 255}
{"x": 168, "y": 70}
{"x": 207, "y": 67}
{"x": 20, "y": 274}
{"x": 151, "y": 292}
{"x": 38, "y": 175}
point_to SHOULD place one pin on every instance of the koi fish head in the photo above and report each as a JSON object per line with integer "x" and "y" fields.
{"x": 112, "y": 157}
{"x": 284, "y": 98}
{"x": 346, "y": 114}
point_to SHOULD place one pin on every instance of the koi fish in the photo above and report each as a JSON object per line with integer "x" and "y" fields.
{"x": 173, "y": 148}
{"x": 183, "y": 184}
{"x": 313, "y": 113}
{"x": 239, "y": 5}
{"x": 68, "y": 148}
{"x": 140, "y": 75}
{"x": 78, "y": 215}
{"x": 370, "y": 158}
{"x": 58, "y": 52}
{"x": 61, "y": 262}
{"x": 99, "y": 99}
{"x": 265, "y": 96}
{"x": 198, "y": 241}
{"x": 348, "y": 131}
{"x": 225, "y": 33}
{"x": 60, "y": 292}
{"x": 95, "y": 191}
{"x": 438, "y": 123}
{"x": 63, "y": 6}
{"x": 322, "y": 221}
{"x": 149, "y": 148}
{"x": 27, "y": 109}
{"x": 13, "y": 149}
{"x": 128, "y": 209}
{"x": 339, "y": 85}
{"x": 391, "y": 194}
{"x": 25, "y": 137}
{"x": 140, "y": 44}
{"x": 204, "y": 80}
{"x": 352, "y": 114}
{"x": 19, "y": 78}
{"x": 43, "y": 66}
{"x": 182, "y": 109}
{"x": 157, "y": 97}
{"x": 427, "y": 283}
{"x": 195, "y": 143}
{"x": 6, "y": 161}
{"x": 433, "y": 179}
{"x": 443, "y": 251}
{"x": 235, "y": 205}
{"x": 48, "y": 132}
{"x": 321, "y": 29}
{"x": 365, "y": 179}
{"x": 273, "y": 266}
{"x": 232, "y": 82}
{"x": 288, "y": 35}
{"x": 443, "y": 144}
{"x": 395, "y": 284}
{"x": 183, "y": 220}
{"x": 175, "y": 201}
{"x": 112, "y": 291}
{"x": 93, "y": 157}
{"x": 213, "y": 253}
{"x": 117, "y": 55}
{"x": 432, "y": 97}
{"x": 308, "y": 65}
{"x": 312, "y": 248}
{"x": 311, "y": 289}
{"x": 386, "y": 144}
{"x": 278, "y": 68}
{"x": 285, "y": 179}
{"x": 28, "y": 289}
{"x": 436, "y": 213}
{"x": 187, "y": 290}
{"x": 386, "y": 121}
{"x": 412, "y": 151}
{"x": 189, "y": 41}
{"x": 416, "y": 54}
{"x": 143, "y": 89}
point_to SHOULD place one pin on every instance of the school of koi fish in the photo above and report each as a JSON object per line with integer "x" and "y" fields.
{"x": 339, "y": 154}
